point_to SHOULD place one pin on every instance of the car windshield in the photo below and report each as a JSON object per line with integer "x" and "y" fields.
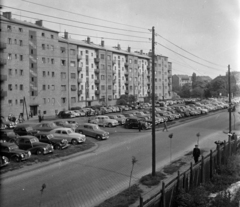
{"x": 52, "y": 125}
{"x": 96, "y": 127}
{"x": 50, "y": 136}
{"x": 13, "y": 147}
{"x": 34, "y": 140}
{"x": 69, "y": 131}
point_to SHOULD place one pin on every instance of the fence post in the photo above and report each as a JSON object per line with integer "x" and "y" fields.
{"x": 202, "y": 170}
{"x": 141, "y": 201}
{"x": 229, "y": 146}
{"x": 211, "y": 164}
{"x": 178, "y": 181}
{"x": 191, "y": 175}
{"x": 163, "y": 194}
{"x": 184, "y": 178}
{"x": 225, "y": 156}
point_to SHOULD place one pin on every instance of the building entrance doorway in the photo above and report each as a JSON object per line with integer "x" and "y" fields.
{"x": 34, "y": 110}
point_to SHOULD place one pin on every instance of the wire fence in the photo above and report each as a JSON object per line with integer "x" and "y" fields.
{"x": 201, "y": 172}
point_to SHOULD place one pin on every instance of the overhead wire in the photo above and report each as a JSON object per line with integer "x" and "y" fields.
{"x": 76, "y": 21}
{"x": 84, "y": 15}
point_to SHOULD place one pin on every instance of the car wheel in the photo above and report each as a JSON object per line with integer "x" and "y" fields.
{"x": 16, "y": 159}
{"x": 98, "y": 137}
{"x": 39, "y": 152}
{"x": 74, "y": 142}
{"x": 57, "y": 147}
{"x": 109, "y": 125}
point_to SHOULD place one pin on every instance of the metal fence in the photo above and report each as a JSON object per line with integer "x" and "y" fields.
{"x": 198, "y": 173}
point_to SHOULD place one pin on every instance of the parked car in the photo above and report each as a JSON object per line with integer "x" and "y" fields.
{"x": 46, "y": 126}
{"x": 32, "y": 143}
{"x": 12, "y": 152}
{"x": 67, "y": 123}
{"x": 134, "y": 123}
{"x": 81, "y": 113}
{"x": 120, "y": 119}
{"x": 7, "y": 124}
{"x": 25, "y": 129}
{"x": 104, "y": 121}
{"x": 68, "y": 134}
{"x": 4, "y": 161}
{"x": 8, "y": 136}
{"x": 58, "y": 143}
{"x": 92, "y": 130}
{"x": 65, "y": 114}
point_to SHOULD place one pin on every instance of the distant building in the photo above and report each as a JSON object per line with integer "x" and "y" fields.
{"x": 180, "y": 80}
{"x": 204, "y": 78}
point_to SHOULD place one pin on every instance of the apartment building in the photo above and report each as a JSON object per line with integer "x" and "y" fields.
{"x": 53, "y": 73}
{"x": 180, "y": 80}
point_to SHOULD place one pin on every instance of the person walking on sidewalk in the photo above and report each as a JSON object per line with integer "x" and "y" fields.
{"x": 165, "y": 126}
{"x": 196, "y": 153}
{"x": 139, "y": 126}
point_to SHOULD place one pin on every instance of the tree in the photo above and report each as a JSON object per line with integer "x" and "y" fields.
{"x": 186, "y": 91}
{"x": 194, "y": 79}
{"x": 197, "y": 92}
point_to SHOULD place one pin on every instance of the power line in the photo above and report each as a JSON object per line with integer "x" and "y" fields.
{"x": 188, "y": 58}
{"x": 84, "y": 15}
{"x": 77, "y": 21}
{"x": 84, "y": 27}
{"x": 188, "y": 52}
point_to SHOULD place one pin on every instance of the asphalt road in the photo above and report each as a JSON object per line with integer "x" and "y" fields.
{"x": 91, "y": 178}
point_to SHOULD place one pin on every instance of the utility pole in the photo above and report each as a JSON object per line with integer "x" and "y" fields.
{"x": 153, "y": 105}
{"x": 230, "y": 104}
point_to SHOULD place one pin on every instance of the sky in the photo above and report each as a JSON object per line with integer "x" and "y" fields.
{"x": 197, "y": 36}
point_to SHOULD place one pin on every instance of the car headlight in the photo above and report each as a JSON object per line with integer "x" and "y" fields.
{"x": 21, "y": 155}
{"x": 29, "y": 153}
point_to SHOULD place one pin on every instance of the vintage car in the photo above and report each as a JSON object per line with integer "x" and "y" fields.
{"x": 8, "y": 136}
{"x": 46, "y": 126}
{"x": 68, "y": 134}
{"x": 120, "y": 119}
{"x": 92, "y": 130}
{"x": 32, "y": 143}
{"x": 104, "y": 121}
{"x": 57, "y": 143}
{"x": 132, "y": 123}
{"x": 24, "y": 129}
{"x": 67, "y": 123}
{"x": 12, "y": 152}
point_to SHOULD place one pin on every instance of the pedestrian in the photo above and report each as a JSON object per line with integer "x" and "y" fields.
{"x": 165, "y": 126}
{"x": 39, "y": 117}
{"x": 139, "y": 126}
{"x": 196, "y": 153}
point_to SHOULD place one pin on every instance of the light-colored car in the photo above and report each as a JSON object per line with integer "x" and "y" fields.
{"x": 67, "y": 123}
{"x": 69, "y": 135}
{"x": 120, "y": 119}
{"x": 92, "y": 130}
{"x": 104, "y": 121}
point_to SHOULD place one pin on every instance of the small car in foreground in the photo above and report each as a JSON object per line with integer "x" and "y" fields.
{"x": 92, "y": 130}
{"x": 12, "y": 152}
{"x": 68, "y": 134}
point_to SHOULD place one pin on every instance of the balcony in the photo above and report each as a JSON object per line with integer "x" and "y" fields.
{"x": 114, "y": 62}
{"x": 126, "y": 73}
{"x": 3, "y": 61}
{"x": 96, "y": 60}
{"x": 114, "y": 80}
{"x": 3, "y": 78}
{"x": 3, "y": 45}
{"x": 114, "y": 91}
{"x": 97, "y": 71}
{"x": 126, "y": 92}
{"x": 79, "y": 68}
{"x": 97, "y": 81}
{"x": 148, "y": 67}
{"x": 79, "y": 57}
{"x": 126, "y": 82}
{"x": 3, "y": 93}
{"x": 80, "y": 92}
{"x": 114, "y": 71}
{"x": 97, "y": 92}
{"x": 79, "y": 80}
{"x": 126, "y": 64}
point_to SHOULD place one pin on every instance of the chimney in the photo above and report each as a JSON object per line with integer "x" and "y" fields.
{"x": 39, "y": 23}
{"x": 65, "y": 35}
{"x": 129, "y": 49}
{"x": 102, "y": 43}
{"x": 119, "y": 47}
{"x": 88, "y": 40}
{"x": 7, "y": 15}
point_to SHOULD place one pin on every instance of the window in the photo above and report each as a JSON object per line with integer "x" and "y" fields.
{"x": 31, "y": 37}
{"x": 31, "y": 51}
{"x": 48, "y": 87}
{"x": 73, "y": 99}
{"x": 43, "y": 46}
{"x": 102, "y": 77}
{"x": 16, "y": 102}
{"x": 15, "y": 41}
{"x": 86, "y": 51}
{"x": 48, "y": 73}
{"x": 63, "y": 75}
{"x": 130, "y": 60}
{"x": 21, "y": 57}
{"x": 73, "y": 88}
{"x": 15, "y": 56}
{"x": 63, "y": 100}
{"x": 16, "y": 86}
{"x": 9, "y": 71}
{"x": 72, "y": 52}
{"x": 43, "y": 35}
{"x": 44, "y": 87}
{"x": 32, "y": 65}
{"x": 102, "y": 56}
{"x": 52, "y": 36}
{"x": 48, "y": 100}
{"x": 109, "y": 87}
{"x": 53, "y": 87}
{"x": 73, "y": 75}
{"x": 53, "y": 100}
{"x": 63, "y": 88}
{"x": 52, "y": 60}
{"x": 10, "y": 87}
{"x": 9, "y": 28}
{"x": 16, "y": 72}
{"x": 20, "y": 42}
{"x": 52, "y": 47}
{"x": 53, "y": 74}
{"x": 44, "y": 74}
{"x": 10, "y": 102}
{"x": 102, "y": 87}
{"x": 21, "y": 72}
{"x": 20, "y": 29}
{"x": 21, "y": 87}
{"x": 9, "y": 41}
{"x": 63, "y": 62}
{"x": 72, "y": 63}
{"x": 43, "y": 60}
{"x": 44, "y": 101}
{"x": 108, "y": 57}
{"x": 62, "y": 49}
{"x": 9, "y": 56}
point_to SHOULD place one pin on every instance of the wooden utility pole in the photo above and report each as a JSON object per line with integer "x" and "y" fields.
{"x": 230, "y": 104}
{"x": 153, "y": 105}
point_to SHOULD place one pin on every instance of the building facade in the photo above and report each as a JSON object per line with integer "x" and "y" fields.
{"x": 45, "y": 73}
{"x": 180, "y": 80}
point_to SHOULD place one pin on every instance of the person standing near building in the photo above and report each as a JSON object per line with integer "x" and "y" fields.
{"x": 196, "y": 153}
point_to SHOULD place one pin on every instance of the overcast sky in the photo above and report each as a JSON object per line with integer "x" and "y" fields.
{"x": 208, "y": 29}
